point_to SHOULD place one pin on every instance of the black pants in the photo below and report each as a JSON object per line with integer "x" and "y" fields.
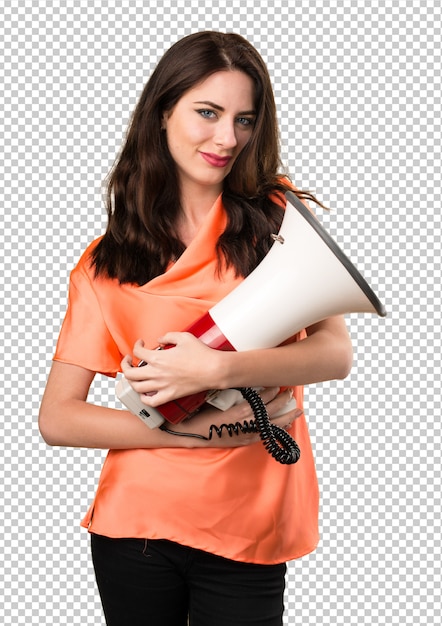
{"x": 161, "y": 583}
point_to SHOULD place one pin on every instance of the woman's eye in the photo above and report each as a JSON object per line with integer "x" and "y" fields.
{"x": 207, "y": 113}
{"x": 245, "y": 121}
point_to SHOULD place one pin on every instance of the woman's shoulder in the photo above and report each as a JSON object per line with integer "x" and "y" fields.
{"x": 85, "y": 263}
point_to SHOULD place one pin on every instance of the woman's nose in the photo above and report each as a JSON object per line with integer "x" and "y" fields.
{"x": 226, "y": 135}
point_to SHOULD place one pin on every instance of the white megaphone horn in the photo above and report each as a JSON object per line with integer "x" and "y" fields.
{"x": 304, "y": 278}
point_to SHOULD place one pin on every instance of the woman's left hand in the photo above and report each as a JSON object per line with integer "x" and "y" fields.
{"x": 184, "y": 365}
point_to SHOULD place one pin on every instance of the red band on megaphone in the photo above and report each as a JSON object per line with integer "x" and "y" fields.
{"x": 208, "y": 332}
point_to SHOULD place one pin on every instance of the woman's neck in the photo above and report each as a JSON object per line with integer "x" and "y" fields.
{"x": 194, "y": 212}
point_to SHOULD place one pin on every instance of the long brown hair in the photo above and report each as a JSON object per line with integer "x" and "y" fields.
{"x": 143, "y": 193}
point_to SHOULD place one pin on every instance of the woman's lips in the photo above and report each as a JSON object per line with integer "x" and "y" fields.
{"x": 216, "y": 160}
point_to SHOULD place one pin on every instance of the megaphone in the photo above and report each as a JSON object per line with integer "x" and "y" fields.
{"x": 304, "y": 278}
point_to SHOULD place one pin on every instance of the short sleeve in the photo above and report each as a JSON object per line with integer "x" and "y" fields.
{"x": 84, "y": 338}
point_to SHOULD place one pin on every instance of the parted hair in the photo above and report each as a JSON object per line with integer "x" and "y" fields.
{"x": 143, "y": 193}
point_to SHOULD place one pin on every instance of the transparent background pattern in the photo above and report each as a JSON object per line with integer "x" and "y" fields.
{"x": 358, "y": 92}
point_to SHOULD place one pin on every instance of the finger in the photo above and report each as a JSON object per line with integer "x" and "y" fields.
{"x": 171, "y": 338}
{"x": 271, "y": 397}
{"x": 140, "y": 351}
{"x": 126, "y": 363}
{"x": 268, "y": 394}
{"x": 280, "y": 401}
{"x": 131, "y": 372}
{"x": 287, "y": 420}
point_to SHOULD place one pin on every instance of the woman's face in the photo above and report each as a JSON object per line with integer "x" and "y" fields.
{"x": 208, "y": 128}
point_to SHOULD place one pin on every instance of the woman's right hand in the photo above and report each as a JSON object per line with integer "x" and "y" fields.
{"x": 200, "y": 424}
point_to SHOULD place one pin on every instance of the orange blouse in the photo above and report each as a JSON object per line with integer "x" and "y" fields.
{"x": 238, "y": 503}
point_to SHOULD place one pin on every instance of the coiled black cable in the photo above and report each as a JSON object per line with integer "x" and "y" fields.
{"x": 277, "y": 441}
{"x": 231, "y": 429}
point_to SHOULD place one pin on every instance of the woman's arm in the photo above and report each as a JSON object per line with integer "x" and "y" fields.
{"x": 66, "y": 419}
{"x": 325, "y": 354}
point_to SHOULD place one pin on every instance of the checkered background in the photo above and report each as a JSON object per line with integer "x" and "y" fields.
{"x": 358, "y": 90}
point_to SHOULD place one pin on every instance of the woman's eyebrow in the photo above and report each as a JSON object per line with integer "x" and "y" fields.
{"x": 220, "y": 108}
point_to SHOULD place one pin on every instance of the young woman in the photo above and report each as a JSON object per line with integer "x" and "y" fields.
{"x": 185, "y": 528}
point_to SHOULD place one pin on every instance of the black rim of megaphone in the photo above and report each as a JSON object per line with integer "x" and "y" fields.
{"x": 331, "y": 243}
